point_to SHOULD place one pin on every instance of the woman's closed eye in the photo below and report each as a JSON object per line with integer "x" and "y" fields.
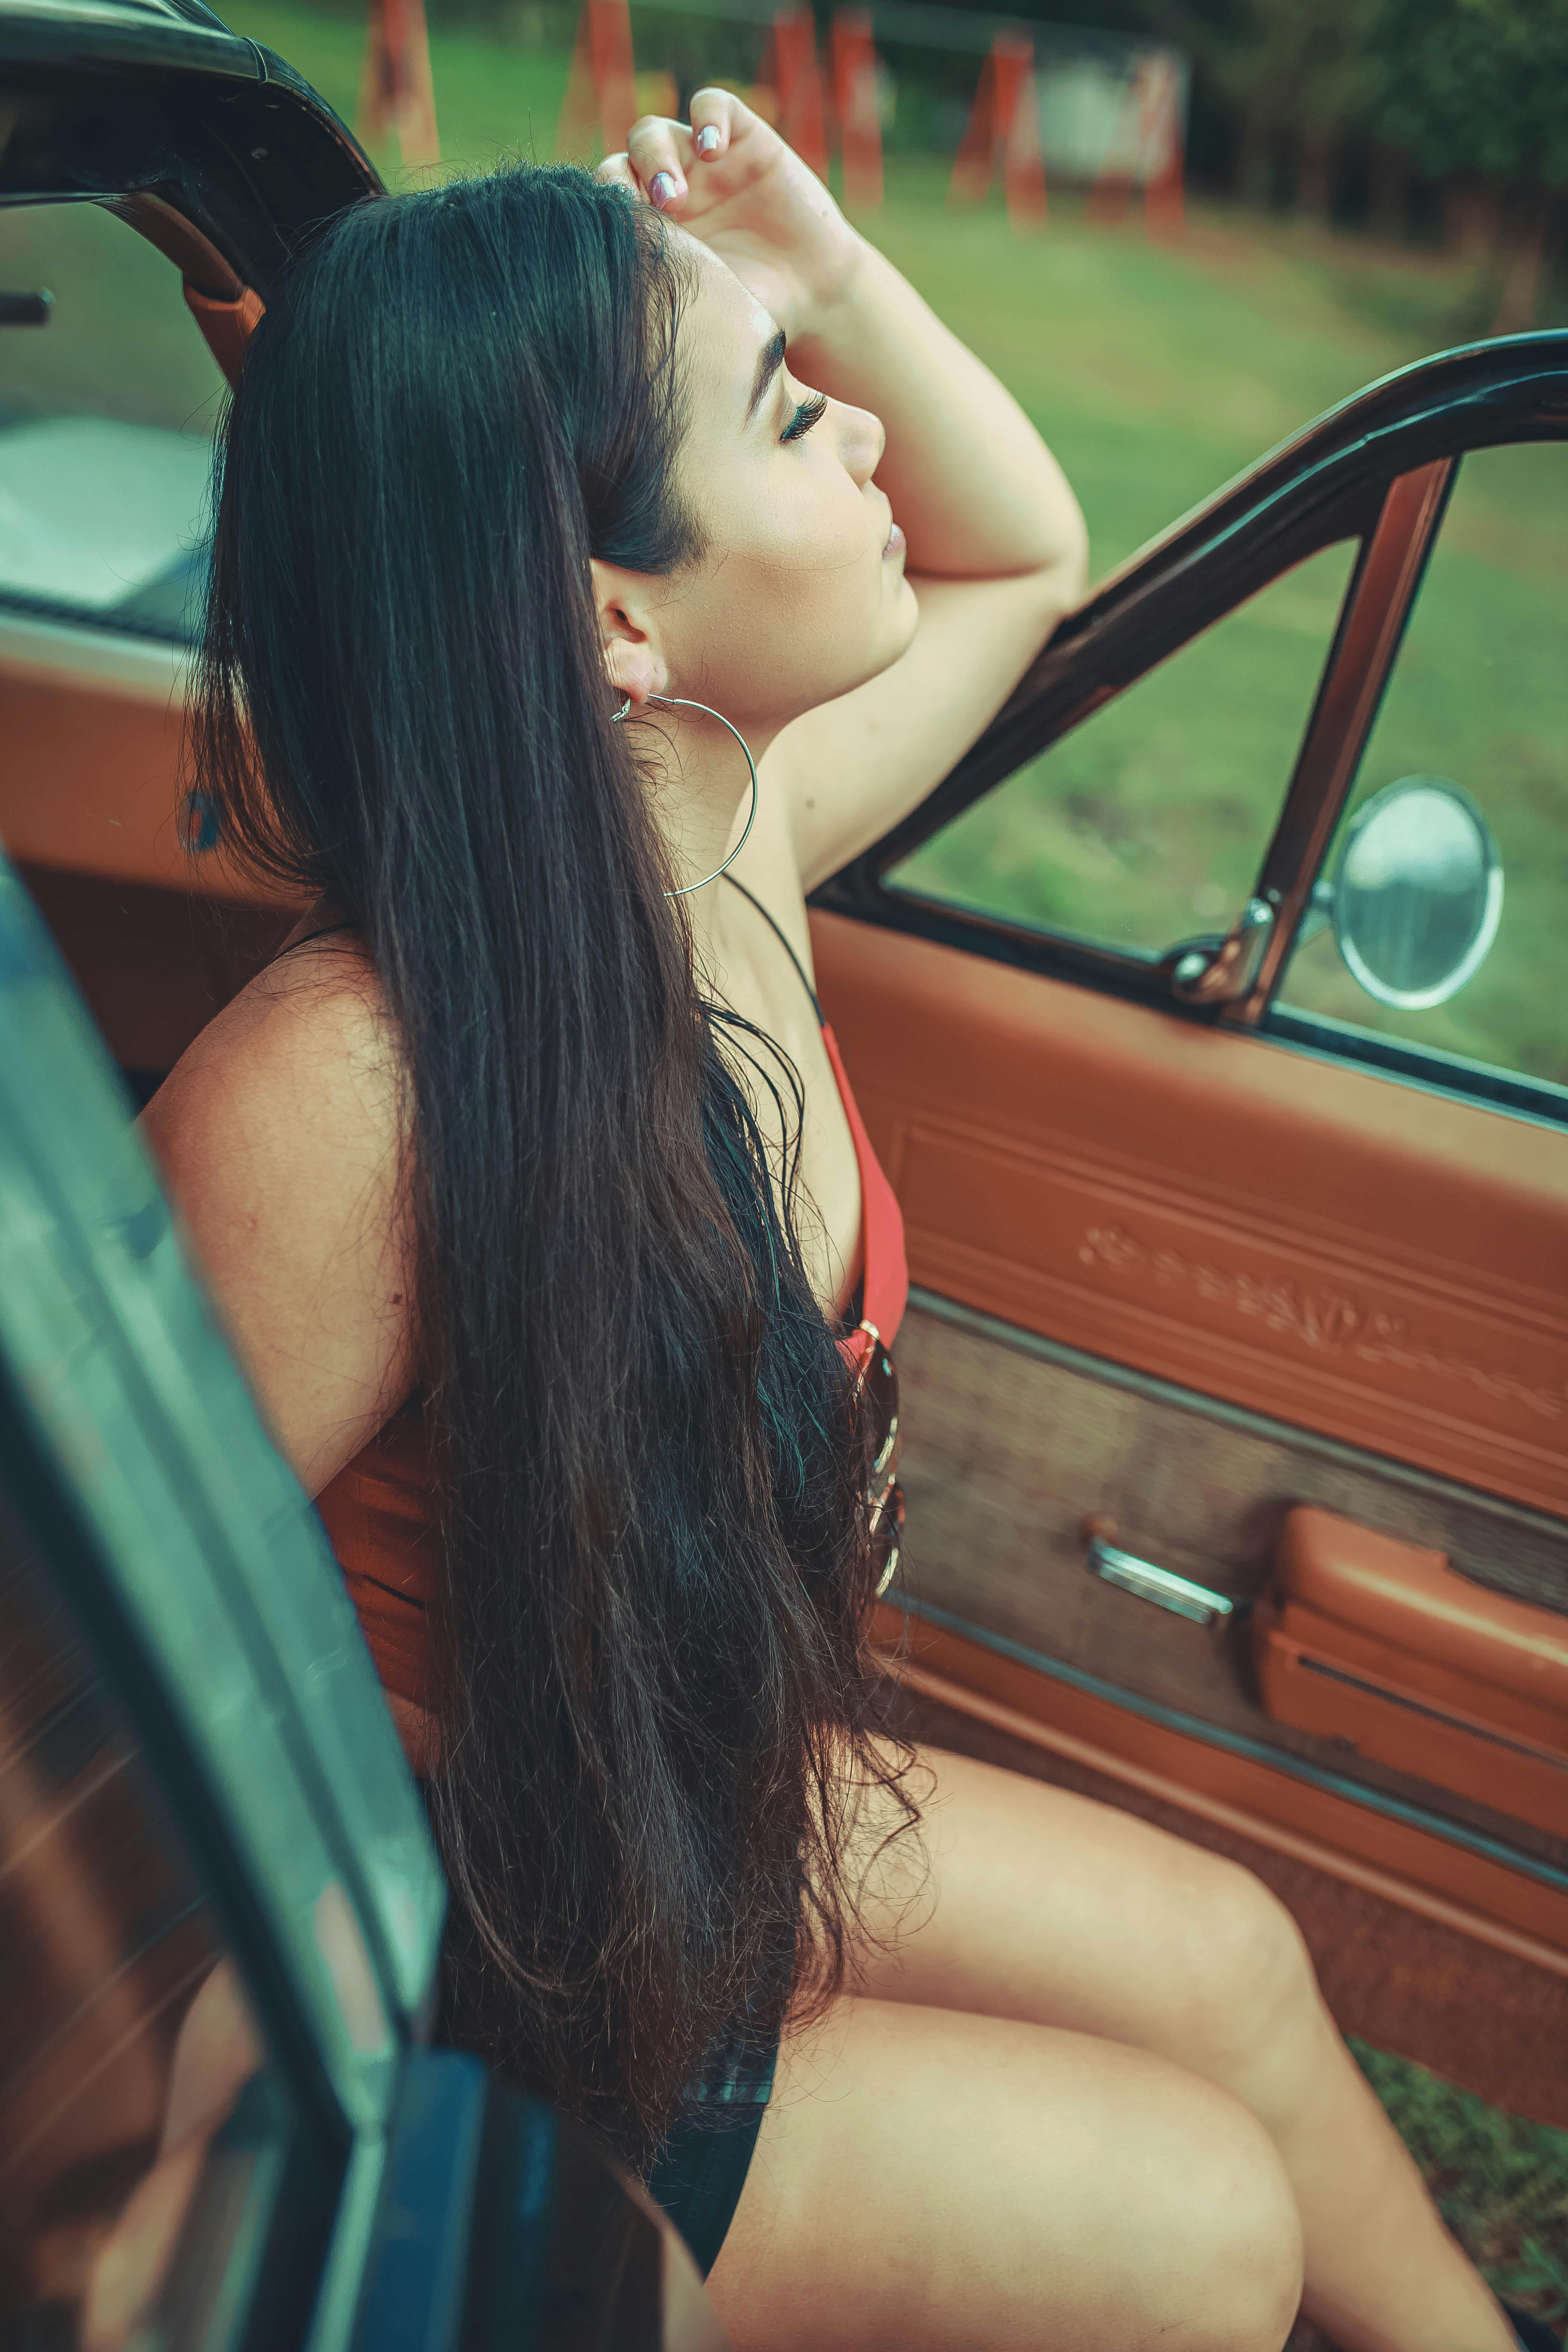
{"x": 808, "y": 414}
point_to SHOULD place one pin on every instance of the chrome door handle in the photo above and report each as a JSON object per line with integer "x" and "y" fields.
{"x": 1161, "y": 1585}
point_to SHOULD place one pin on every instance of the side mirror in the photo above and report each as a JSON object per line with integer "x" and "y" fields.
{"x": 1416, "y": 893}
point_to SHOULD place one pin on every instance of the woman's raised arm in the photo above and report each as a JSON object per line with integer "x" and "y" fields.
{"x": 997, "y": 553}
{"x": 978, "y": 494}
{"x": 996, "y": 546}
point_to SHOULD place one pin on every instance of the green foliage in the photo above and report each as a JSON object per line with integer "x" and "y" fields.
{"x": 1313, "y": 66}
{"x": 1499, "y": 2182}
{"x": 1459, "y": 86}
{"x": 1478, "y": 86}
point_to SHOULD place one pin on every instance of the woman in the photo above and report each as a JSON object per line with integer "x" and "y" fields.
{"x": 529, "y": 1185}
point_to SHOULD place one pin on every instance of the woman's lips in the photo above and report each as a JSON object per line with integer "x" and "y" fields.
{"x": 896, "y": 542}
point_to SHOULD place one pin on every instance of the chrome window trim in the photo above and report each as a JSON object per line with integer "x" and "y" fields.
{"x": 1361, "y": 661}
{"x": 1431, "y": 1071}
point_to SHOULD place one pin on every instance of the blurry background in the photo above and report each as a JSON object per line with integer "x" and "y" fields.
{"x": 1178, "y": 230}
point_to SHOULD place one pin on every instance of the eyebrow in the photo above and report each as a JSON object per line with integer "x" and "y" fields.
{"x": 769, "y": 362}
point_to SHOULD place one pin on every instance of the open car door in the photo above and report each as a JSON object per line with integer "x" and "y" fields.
{"x": 220, "y": 1907}
{"x": 219, "y": 1903}
{"x": 1235, "y": 1373}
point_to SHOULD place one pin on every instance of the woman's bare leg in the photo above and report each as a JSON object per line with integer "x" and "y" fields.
{"x": 929, "y": 2181}
{"x": 1045, "y": 1905}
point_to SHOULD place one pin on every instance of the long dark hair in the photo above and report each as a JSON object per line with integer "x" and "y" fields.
{"x": 650, "y": 1666}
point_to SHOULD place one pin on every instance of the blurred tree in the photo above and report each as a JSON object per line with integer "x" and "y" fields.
{"x": 1302, "y": 75}
{"x": 1475, "y": 93}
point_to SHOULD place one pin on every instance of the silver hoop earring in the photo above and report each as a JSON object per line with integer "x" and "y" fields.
{"x": 678, "y": 702}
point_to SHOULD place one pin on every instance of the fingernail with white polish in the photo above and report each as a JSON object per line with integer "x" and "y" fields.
{"x": 663, "y": 189}
{"x": 707, "y": 140}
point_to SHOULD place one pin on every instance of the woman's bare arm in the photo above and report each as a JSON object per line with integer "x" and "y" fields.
{"x": 976, "y": 490}
{"x": 997, "y": 553}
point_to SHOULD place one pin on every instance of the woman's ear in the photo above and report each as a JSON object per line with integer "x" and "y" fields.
{"x": 633, "y": 662}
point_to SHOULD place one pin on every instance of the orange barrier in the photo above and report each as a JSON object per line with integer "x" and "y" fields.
{"x": 601, "y": 88}
{"x": 856, "y": 108}
{"x": 395, "y": 92}
{"x": 789, "y": 63}
{"x": 601, "y": 101}
{"x": 1005, "y": 126}
{"x": 1164, "y": 201}
{"x": 1148, "y": 142}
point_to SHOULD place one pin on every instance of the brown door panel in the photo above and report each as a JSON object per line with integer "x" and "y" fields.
{"x": 154, "y": 965}
{"x": 91, "y": 779}
{"x": 89, "y": 795}
{"x": 1005, "y": 1441}
{"x": 1388, "y": 1644}
{"x": 1378, "y": 1263}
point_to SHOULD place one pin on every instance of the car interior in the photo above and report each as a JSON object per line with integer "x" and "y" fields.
{"x": 1235, "y": 1377}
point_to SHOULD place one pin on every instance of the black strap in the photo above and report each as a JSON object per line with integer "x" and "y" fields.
{"x": 806, "y": 984}
{"x": 325, "y": 932}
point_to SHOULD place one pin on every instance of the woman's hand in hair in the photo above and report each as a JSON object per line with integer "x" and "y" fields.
{"x": 730, "y": 180}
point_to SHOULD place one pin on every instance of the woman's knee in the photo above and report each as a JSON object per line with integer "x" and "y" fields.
{"x": 937, "y": 2179}
{"x": 1223, "y": 2239}
{"x": 1253, "y": 1991}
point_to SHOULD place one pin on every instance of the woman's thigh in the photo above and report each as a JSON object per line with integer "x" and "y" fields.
{"x": 1018, "y": 1899}
{"x": 938, "y": 2182}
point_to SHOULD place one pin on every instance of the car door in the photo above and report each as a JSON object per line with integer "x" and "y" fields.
{"x": 220, "y": 1905}
{"x": 1235, "y": 1371}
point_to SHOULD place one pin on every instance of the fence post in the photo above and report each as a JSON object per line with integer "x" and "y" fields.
{"x": 792, "y": 46}
{"x": 975, "y": 159}
{"x": 1147, "y": 143}
{"x": 855, "y": 107}
{"x": 1005, "y": 123}
{"x": 601, "y": 88}
{"x": 396, "y": 90}
{"x": 1164, "y": 202}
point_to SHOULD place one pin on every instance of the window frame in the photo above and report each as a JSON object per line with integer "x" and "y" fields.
{"x": 1379, "y": 469}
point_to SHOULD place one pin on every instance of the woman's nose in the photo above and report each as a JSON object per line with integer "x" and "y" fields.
{"x": 862, "y": 438}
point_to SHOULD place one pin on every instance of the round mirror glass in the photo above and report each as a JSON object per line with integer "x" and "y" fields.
{"x": 1418, "y": 894}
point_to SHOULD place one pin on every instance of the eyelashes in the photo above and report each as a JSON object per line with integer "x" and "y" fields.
{"x": 809, "y": 413}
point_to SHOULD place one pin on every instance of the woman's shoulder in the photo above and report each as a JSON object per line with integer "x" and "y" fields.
{"x": 307, "y": 1045}
{"x": 279, "y": 1133}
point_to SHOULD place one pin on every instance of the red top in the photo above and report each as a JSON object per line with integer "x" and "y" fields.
{"x": 380, "y": 1513}
{"x": 885, "y": 1278}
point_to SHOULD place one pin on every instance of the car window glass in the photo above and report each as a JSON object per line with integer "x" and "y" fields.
{"x": 1146, "y": 824}
{"x": 106, "y": 417}
{"x": 143, "y": 2127}
{"x": 1478, "y": 700}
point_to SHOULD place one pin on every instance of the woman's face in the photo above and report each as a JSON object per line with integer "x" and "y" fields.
{"x": 800, "y": 592}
